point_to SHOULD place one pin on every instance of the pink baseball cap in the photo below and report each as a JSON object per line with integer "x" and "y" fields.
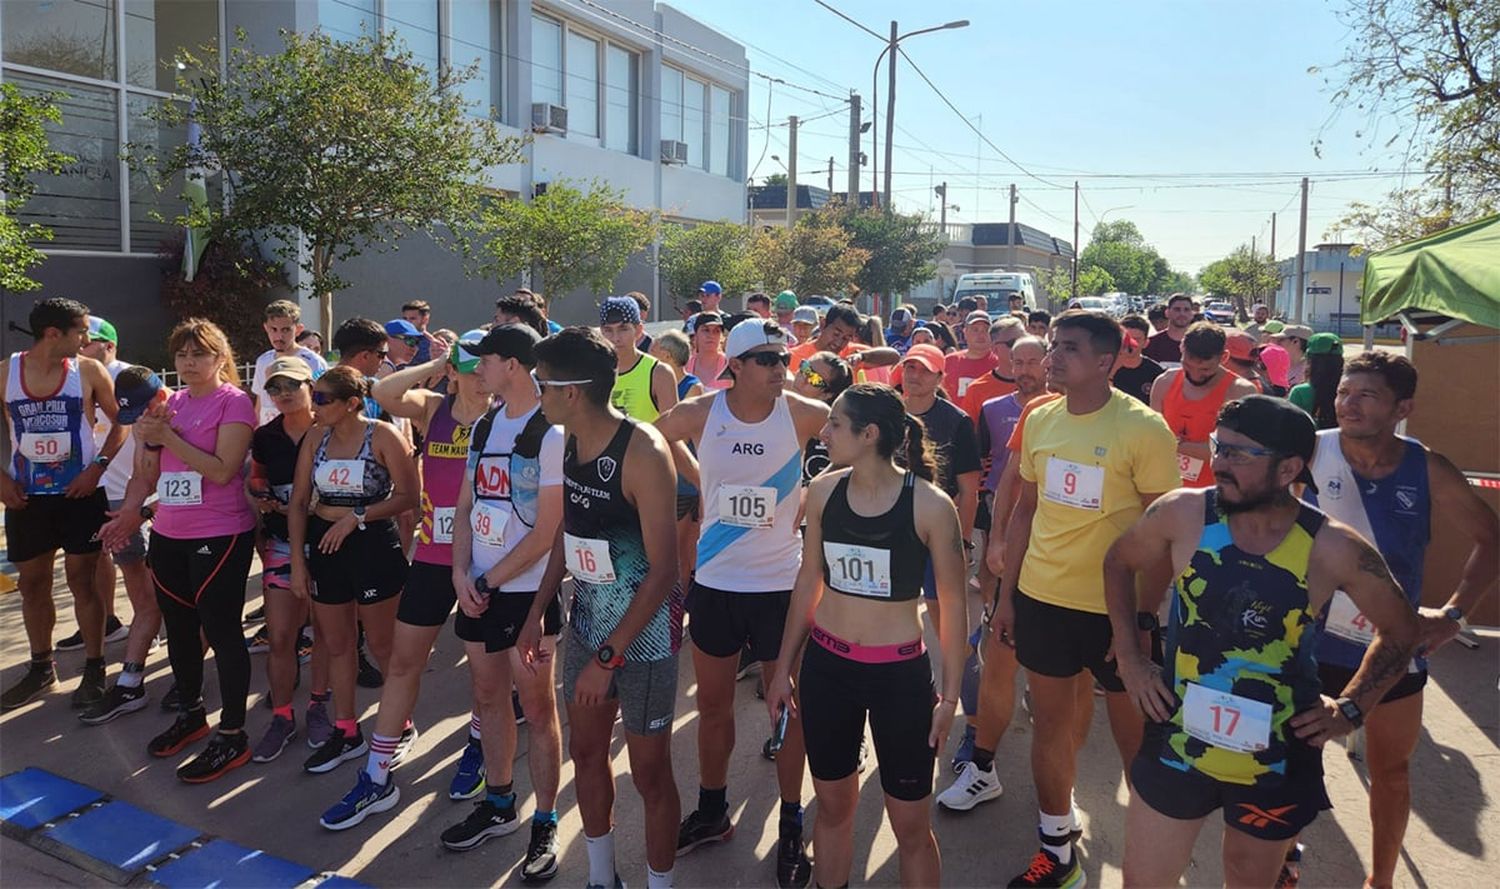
{"x": 1278, "y": 364}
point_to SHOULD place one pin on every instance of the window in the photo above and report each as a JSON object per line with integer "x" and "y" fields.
{"x": 475, "y": 40}
{"x": 347, "y": 19}
{"x": 146, "y": 202}
{"x": 621, "y": 78}
{"x": 156, "y": 29}
{"x": 415, "y": 22}
{"x": 583, "y": 86}
{"x": 719, "y": 129}
{"x": 71, "y": 36}
{"x": 82, "y": 203}
{"x": 692, "y": 120}
{"x": 700, "y": 114}
{"x": 546, "y": 60}
{"x": 671, "y": 104}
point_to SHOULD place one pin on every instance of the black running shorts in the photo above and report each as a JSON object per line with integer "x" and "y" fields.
{"x": 723, "y": 623}
{"x": 1063, "y": 642}
{"x": 53, "y": 522}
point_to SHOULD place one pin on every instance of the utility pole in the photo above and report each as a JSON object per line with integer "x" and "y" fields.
{"x": 1076, "y": 248}
{"x": 854, "y": 114}
{"x": 791, "y": 172}
{"x": 1301, "y": 257}
{"x": 1273, "y": 237}
{"x": 1011, "y": 235}
{"x": 830, "y": 177}
{"x": 942, "y": 191}
{"x": 890, "y": 114}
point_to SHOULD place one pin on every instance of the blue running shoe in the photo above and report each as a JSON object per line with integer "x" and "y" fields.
{"x": 965, "y": 751}
{"x": 364, "y": 800}
{"x": 468, "y": 782}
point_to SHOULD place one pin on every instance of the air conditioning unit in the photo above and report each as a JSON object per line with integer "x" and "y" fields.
{"x": 549, "y": 118}
{"x": 673, "y": 152}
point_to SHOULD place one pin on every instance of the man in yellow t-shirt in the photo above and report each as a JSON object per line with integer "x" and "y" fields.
{"x": 1090, "y": 464}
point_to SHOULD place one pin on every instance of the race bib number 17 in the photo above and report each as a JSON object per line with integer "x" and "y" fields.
{"x": 1226, "y": 720}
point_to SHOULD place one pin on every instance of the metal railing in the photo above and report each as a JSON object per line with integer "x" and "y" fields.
{"x": 169, "y": 377}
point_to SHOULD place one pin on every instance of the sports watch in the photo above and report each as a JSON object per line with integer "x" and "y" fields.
{"x": 1455, "y": 614}
{"x": 1146, "y": 621}
{"x": 608, "y": 659}
{"x": 359, "y": 517}
{"x": 1351, "y": 712}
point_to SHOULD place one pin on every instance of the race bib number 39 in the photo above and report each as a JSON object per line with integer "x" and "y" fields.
{"x": 860, "y": 570}
{"x": 488, "y": 521}
{"x": 46, "y": 447}
{"x": 341, "y": 476}
{"x": 1074, "y": 484}
{"x": 180, "y": 488}
{"x": 1225, "y": 720}
{"x": 746, "y": 506}
{"x": 588, "y": 559}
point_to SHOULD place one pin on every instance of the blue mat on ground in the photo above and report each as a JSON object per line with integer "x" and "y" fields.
{"x": 224, "y": 865}
{"x": 340, "y": 882}
{"x": 121, "y": 836}
{"x": 32, "y": 797}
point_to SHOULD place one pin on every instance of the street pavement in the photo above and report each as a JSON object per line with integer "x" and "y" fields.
{"x": 1452, "y": 840}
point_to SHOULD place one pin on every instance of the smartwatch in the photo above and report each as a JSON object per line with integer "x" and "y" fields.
{"x": 102, "y": 461}
{"x": 359, "y": 516}
{"x": 1351, "y": 711}
{"x": 608, "y": 659}
{"x": 1455, "y": 614}
{"x": 1146, "y": 620}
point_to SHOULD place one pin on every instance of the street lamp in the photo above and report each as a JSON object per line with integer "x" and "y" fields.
{"x": 1100, "y": 220}
{"x": 890, "y": 99}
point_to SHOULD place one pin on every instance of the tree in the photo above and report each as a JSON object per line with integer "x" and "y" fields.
{"x": 1120, "y": 249}
{"x": 717, "y": 251}
{"x": 901, "y": 247}
{"x": 775, "y": 179}
{"x": 1058, "y": 283}
{"x": 570, "y": 237}
{"x": 808, "y": 258}
{"x": 231, "y": 286}
{"x": 23, "y": 152}
{"x": 1241, "y": 276}
{"x": 341, "y": 146}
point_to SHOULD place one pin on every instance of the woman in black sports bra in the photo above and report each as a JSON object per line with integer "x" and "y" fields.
{"x": 870, "y": 530}
{"x": 347, "y": 556}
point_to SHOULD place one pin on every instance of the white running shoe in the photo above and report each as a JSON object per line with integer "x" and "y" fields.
{"x": 971, "y": 788}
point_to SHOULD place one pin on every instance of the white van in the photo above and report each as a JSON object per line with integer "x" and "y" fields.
{"x": 994, "y": 289}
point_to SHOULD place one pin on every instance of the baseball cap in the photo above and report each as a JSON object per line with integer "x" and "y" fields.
{"x": 135, "y": 389}
{"x": 516, "y": 341}
{"x": 1300, "y": 331}
{"x": 1274, "y": 328}
{"x": 977, "y": 315}
{"x": 290, "y": 366}
{"x": 401, "y": 327}
{"x": 99, "y": 329}
{"x": 711, "y": 287}
{"x": 748, "y": 335}
{"x": 1278, "y": 364}
{"x": 900, "y": 317}
{"x": 462, "y": 356}
{"x": 701, "y": 319}
{"x": 1325, "y": 344}
{"x": 1276, "y": 424}
{"x": 786, "y": 300}
{"x": 619, "y": 310}
{"x": 805, "y": 315}
{"x": 1239, "y": 344}
{"x": 927, "y": 355}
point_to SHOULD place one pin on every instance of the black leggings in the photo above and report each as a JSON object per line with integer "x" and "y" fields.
{"x": 200, "y": 585}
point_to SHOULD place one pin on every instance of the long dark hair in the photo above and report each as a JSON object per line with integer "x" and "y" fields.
{"x": 1323, "y": 374}
{"x": 943, "y": 336}
{"x": 877, "y": 403}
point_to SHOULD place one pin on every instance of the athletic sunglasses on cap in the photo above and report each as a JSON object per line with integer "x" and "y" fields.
{"x": 1239, "y": 454}
{"x": 769, "y": 359}
{"x": 541, "y": 382}
{"x": 814, "y": 379}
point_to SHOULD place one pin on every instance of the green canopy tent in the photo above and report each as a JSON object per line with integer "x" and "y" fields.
{"x": 1452, "y": 277}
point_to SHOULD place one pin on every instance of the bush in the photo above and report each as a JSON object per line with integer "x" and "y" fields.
{"x": 232, "y": 287}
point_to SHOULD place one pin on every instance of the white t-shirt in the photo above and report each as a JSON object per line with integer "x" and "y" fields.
{"x": 117, "y": 475}
{"x": 266, "y": 409}
{"x": 513, "y": 484}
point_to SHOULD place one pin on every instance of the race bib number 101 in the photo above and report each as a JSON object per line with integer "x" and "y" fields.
{"x": 860, "y": 570}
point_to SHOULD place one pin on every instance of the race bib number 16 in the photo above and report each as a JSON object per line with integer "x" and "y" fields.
{"x": 588, "y": 559}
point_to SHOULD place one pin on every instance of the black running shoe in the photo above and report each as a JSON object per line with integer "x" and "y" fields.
{"x": 118, "y": 701}
{"x": 38, "y": 680}
{"x": 224, "y": 753}
{"x": 171, "y": 702}
{"x": 487, "y": 820}
{"x": 793, "y": 870}
{"x": 187, "y": 728}
{"x": 369, "y": 674}
{"x": 90, "y": 690}
{"x": 515, "y": 706}
{"x": 339, "y": 748}
{"x": 697, "y": 830}
{"x": 257, "y": 614}
{"x": 541, "y": 853}
{"x": 114, "y": 631}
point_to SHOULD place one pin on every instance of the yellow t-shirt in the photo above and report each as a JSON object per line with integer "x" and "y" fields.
{"x": 1090, "y": 472}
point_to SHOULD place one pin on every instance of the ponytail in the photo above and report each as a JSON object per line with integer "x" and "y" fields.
{"x": 917, "y": 451}
{"x": 903, "y": 437}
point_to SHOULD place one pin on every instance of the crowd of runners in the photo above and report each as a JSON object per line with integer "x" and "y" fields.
{"x": 1216, "y": 530}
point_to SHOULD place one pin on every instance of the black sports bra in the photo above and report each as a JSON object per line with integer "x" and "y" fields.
{"x": 873, "y": 557}
{"x": 375, "y": 481}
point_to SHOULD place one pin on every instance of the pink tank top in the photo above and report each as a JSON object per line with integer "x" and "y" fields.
{"x": 445, "y": 449}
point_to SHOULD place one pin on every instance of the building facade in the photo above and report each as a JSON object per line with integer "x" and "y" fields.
{"x": 1331, "y": 292}
{"x": 631, "y": 93}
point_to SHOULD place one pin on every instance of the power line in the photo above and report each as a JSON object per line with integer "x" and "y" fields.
{"x": 882, "y": 38}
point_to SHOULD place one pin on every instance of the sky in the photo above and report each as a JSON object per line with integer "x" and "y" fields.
{"x": 1137, "y": 101}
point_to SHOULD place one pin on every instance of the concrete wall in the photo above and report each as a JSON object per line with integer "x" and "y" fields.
{"x": 126, "y": 289}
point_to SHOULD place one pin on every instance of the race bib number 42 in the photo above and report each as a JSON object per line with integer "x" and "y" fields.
{"x": 747, "y": 506}
{"x": 1225, "y": 720}
{"x": 46, "y": 447}
{"x": 341, "y": 476}
{"x": 180, "y": 488}
{"x": 588, "y": 559}
{"x": 860, "y": 570}
{"x": 1074, "y": 484}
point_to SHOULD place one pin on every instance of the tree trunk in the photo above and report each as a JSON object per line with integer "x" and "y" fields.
{"x": 320, "y": 265}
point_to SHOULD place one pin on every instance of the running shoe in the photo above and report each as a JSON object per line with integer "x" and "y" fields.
{"x": 259, "y": 641}
{"x": 319, "y": 726}
{"x": 224, "y": 753}
{"x": 116, "y": 702}
{"x": 487, "y": 820}
{"x": 746, "y": 666}
{"x": 281, "y": 732}
{"x": 697, "y": 830}
{"x": 403, "y": 747}
{"x": 972, "y": 787}
{"x": 1047, "y": 871}
{"x": 541, "y": 853}
{"x": 255, "y": 615}
{"x": 619, "y": 884}
{"x": 90, "y": 690}
{"x": 114, "y": 631}
{"x": 515, "y": 706}
{"x": 1291, "y": 869}
{"x": 369, "y": 674}
{"x": 38, "y": 680}
{"x": 364, "y": 800}
{"x": 965, "y": 752}
{"x": 189, "y": 726}
{"x": 793, "y": 870}
{"x": 171, "y": 702}
{"x": 336, "y": 750}
{"x": 864, "y": 755}
{"x": 468, "y": 781}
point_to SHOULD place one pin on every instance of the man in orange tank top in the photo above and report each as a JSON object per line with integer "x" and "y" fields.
{"x": 1189, "y": 398}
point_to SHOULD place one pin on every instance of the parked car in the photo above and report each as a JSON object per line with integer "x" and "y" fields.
{"x": 1219, "y": 313}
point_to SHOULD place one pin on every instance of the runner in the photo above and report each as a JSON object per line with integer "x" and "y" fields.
{"x": 1241, "y": 356}
{"x": 1189, "y": 398}
{"x": 823, "y": 377}
{"x": 521, "y": 309}
{"x": 1324, "y": 370}
{"x": 869, "y": 530}
{"x": 673, "y": 349}
{"x": 1004, "y": 332}
{"x": 283, "y": 324}
{"x": 903, "y": 322}
{"x": 758, "y": 304}
{"x": 1039, "y": 324}
{"x": 1384, "y": 486}
{"x": 51, "y": 490}
{"x": 1135, "y": 373}
{"x": 839, "y": 335}
{"x": 1260, "y": 313}
{"x": 347, "y": 556}
{"x": 961, "y": 369}
{"x": 749, "y": 443}
{"x": 786, "y": 308}
{"x": 311, "y": 340}
{"x": 192, "y": 454}
{"x": 1166, "y": 345}
{"x": 1294, "y": 338}
{"x": 1277, "y": 364}
{"x": 706, "y": 330}
{"x": 710, "y": 294}
{"x": 626, "y": 622}
{"x": 1237, "y": 721}
{"x": 804, "y": 324}
{"x": 1089, "y": 464}
{"x": 644, "y": 387}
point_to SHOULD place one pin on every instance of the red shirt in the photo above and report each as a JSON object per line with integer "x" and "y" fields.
{"x": 982, "y": 390}
{"x": 960, "y": 371}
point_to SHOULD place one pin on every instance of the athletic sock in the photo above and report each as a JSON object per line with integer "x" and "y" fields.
{"x": 350, "y": 727}
{"x": 284, "y": 712}
{"x": 540, "y": 817}
{"x": 983, "y": 759}
{"x": 378, "y": 763}
{"x": 1073, "y": 812}
{"x": 98, "y": 662}
{"x": 132, "y": 674}
{"x": 713, "y": 804}
{"x": 474, "y": 725}
{"x": 657, "y": 880}
{"x": 601, "y": 859}
{"x": 1053, "y": 831}
{"x": 791, "y": 818}
{"x": 41, "y": 660}
{"x": 321, "y": 697}
{"x": 503, "y": 796}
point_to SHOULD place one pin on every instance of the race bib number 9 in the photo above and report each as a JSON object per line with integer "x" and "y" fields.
{"x": 746, "y": 506}
{"x": 860, "y": 570}
{"x": 442, "y": 524}
{"x": 341, "y": 477}
{"x": 488, "y": 522}
{"x": 180, "y": 488}
{"x": 588, "y": 559}
{"x": 1189, "y": 468}
{"x": 1225, "y": 720}
{"x": 1073, "y": 484}
{"x": 1346, "y": 622}
{"x": 46, "y": 447}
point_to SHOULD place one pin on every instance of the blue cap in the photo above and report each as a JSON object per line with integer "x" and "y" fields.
{"x": 711, "y": 287}
{"x": 401, "y": 327}
{"x": 134, "y": 394}
{"x": 619, "y": 310}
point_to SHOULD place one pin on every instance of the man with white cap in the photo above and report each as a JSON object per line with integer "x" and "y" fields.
{"x": 962, "y": 368}
{"x": 749, "y": 553}
{"x": 903, "y": 322}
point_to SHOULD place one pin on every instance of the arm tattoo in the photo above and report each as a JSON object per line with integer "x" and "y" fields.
{"x": 1384, "y": 661}
{"x": 1370, "y": 562}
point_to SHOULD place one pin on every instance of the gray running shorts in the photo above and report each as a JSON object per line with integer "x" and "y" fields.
{"x": 646, "y": 690}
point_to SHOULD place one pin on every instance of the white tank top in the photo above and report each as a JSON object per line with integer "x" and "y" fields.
{"x": 751, "y": 474}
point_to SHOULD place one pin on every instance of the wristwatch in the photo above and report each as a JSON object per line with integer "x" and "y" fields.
{"x": 102, "y": 461}
{"x": 1351, "y": 711}
{"x": 147, "y": 513}
{"x": 359, "y": 517}
{"x": 608, "y": 659}
{"x": 1455, "y": 614}
{"x": 1146, "y": 620}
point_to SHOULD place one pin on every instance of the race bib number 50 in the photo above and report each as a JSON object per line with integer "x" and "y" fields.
{"x": 1074, "y": 484}
{"x": 46, "y": 447}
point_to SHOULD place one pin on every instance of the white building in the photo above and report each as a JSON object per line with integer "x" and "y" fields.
{"x": 1330, "y": 298}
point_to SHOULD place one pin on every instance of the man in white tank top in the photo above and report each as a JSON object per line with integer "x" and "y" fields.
{"x": 749, "y": 440}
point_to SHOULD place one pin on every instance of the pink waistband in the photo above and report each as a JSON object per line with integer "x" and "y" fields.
{"x": 868, "y": 654}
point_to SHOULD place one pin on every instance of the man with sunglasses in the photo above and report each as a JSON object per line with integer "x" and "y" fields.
{"x": 749, "y": 441}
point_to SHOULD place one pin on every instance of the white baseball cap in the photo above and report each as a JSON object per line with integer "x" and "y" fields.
{"x": 750, "y": 334}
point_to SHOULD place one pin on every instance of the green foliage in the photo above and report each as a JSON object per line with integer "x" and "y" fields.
{"x": 1094, "y": 280}
{"x": 1057, "y": 284}
{"x": 232, "y": 285}
{"x": 775, "y": 179}
{"x": 1133, "y": 265}
{"x": 23, "y": 152}
{"x": 570, "y": 237}
{"x": 1241, "y": 277}
{"x": 716, "y": 251}
{"x": 902, "y": 247}
{"x": 346, "y": 144}
{"x": 809, "y": 258}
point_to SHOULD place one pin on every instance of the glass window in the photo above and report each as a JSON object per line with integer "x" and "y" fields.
{"x": 73, "y": 36}
{"x": 583, "y": 86}
{"x": 148, "y": 137}
{"x": 621, "y": 77}
{"x": 347, "y": 19}
{"x": 719, "y": 128}
{"x": 476, "y": 41}
{"x": 156, "y": 29}
{"x": 692, "y": 120}
{"x": 81, "y": 204}
{"x": 546, "y": 60}
{"x": 415, "y": 22}
{"x": 671, "y": 104}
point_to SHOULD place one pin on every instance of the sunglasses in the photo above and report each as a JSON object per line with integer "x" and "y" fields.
{"x": 1239, "y": 454}
{"x": 282, "y": 388}
{"x": 769, "y": 359}
{"x": 814, "y": 379}
{"x": 322, "y": 399}
{"x": 412, "y": 341}
{"x": 556, "y": 383}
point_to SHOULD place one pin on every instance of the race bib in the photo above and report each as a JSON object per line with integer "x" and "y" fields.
{"x": 860, "y": 570}
{"x": 442, "y": 524}
{"x": 1226, "y": 720}
{"x": 747, "y": 506}
{"x": 340, "y": 477}
{"x": 46, "y": 447}
{"x": 1346, "y": 622}
{"x": 1189, "y": 468}
{"x": 963, "y": 385}
{"x": 1073, "y": 484}
{"x": 180, "y": 488}
{"x": 282, "y": 493}
{"x": 588, "y": 559}
{"x": 487, "y": 521}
